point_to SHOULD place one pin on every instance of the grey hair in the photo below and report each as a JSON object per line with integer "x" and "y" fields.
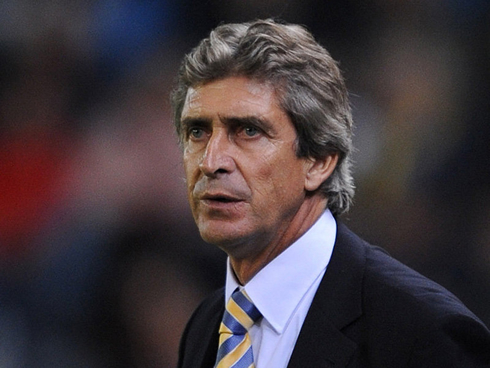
{"x": 307, "y": 80}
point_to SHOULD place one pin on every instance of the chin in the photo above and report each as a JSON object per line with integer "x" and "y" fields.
{"x": 238, "y": 245}
{"x": 220, "y": 231}
{"x": 219, "y": 236}
{"x": 221, "y": 239}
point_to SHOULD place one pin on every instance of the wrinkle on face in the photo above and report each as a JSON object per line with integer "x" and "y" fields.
{"x": 261, "y": 169}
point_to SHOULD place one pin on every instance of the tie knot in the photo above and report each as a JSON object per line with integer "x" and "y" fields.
{"x": 240, "y": 314}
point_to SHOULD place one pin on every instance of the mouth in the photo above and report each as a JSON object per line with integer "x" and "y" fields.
{"x": 221, "y": 201}
{"x": 220, "y": 198}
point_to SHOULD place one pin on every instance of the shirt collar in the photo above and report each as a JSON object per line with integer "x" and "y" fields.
{"x": 279, "y": 287}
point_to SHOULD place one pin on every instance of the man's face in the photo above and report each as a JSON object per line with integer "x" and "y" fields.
{"x": 244, "y": 181}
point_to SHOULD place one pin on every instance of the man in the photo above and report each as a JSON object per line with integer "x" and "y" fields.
{"x": 263, "y": 117}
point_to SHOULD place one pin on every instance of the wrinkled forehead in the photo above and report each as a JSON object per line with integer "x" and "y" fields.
{"x": 233, "y": 94}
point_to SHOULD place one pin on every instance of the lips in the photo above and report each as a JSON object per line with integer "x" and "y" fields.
{"x": 220, "y": 202}
{"x": 219, "y": 191}
{"x": 219, "y": 197}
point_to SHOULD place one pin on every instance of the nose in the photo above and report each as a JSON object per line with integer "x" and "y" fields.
{"x": 217, "y": 158}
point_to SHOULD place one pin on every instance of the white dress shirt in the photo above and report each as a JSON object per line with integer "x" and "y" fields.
{"x": 283, "y": 291}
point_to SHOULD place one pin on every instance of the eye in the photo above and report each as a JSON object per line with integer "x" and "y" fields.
{"x": 196, "y": 133}
{"x": 250, "y": 131}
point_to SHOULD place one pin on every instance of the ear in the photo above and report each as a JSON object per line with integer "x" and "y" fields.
{"x": 319, "y": 171}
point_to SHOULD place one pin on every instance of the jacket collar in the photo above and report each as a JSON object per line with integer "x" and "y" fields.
{"x": 336, "y": 305}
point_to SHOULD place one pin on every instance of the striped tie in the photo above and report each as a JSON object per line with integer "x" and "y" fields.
{"x": 235, "y": 346}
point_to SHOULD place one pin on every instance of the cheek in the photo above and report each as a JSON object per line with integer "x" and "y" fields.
{"x": 279, "y": 176}
{"x": 191, "y": 170}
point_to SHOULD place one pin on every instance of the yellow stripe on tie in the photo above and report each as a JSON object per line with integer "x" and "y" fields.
{"x": 236, "y": 354}
{"x": 235, "y": 346}
{"x": 236, "y": 311}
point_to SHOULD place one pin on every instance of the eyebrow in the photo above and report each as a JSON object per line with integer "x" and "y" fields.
{"x": 194, "y": 121}
{"x": 263, "y": 124}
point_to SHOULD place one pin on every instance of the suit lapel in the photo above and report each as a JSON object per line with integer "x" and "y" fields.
{"x": 199, "y": 343}
{"x": 337, "y": 304}
{"x": 321, "y": 345}
{"x": 211, "y": 342}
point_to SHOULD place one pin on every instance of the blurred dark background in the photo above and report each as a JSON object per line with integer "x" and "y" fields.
{"x": 100, "y": 261}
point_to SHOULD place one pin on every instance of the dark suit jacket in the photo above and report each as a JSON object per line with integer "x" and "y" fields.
{"x": 369, "y": 311}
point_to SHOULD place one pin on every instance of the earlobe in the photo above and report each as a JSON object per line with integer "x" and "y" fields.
{"x": 319, "y": 171}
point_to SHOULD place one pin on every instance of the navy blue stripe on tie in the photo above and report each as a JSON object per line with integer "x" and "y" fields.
{"x": 235, "y": 347}
{"x": 229, "y": 345}
{"x": 246, "y": 360}
{"x": 247, "y": 306}
{"x": 234, "y": 326}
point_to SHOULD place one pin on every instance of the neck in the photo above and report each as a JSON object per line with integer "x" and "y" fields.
{"x": 247, "y": 267}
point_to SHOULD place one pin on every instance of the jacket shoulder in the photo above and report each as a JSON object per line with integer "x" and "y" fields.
{"x": 408, "y": 317}
{"x": 386, "y": 281}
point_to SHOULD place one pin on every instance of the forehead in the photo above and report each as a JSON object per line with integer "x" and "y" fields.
{"x": 231, "y": 96}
